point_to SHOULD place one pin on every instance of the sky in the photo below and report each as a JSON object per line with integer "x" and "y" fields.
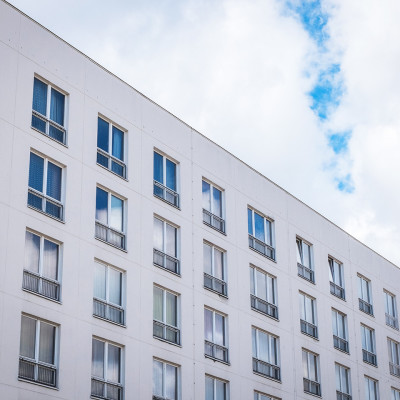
{"x": 305, "y": 91}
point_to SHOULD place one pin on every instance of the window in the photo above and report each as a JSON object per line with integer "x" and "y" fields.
{"x": 262, "y": 396}
{"x": 260, "y": 234}
{"x": 215, "y": 333}
{"x": 263, "y": 296}
{"x": 110, "y": 218}
{"x": 305, "y": 267}
{"x": 336, "y": 278}
{"x": 166, "y": 316}
{"x": 48, "y": 111}
{"x": 394, "y": 357}
{"x": 165, "y": 381}
{"x": 38, "y": 358}
{"x": 371, "y": 389}
{"x": 41, "y": 266}
{"x": 339, "y": 328}
{"x": 368, "y": 345}
{"x": 391, "y": 310}
{"x": 311, "y": 379}
{"x": 165, "y": 250}
{"x": 395, "y": 394}
{"x": 343, "y": 385}
{"x": 165, "y": 179}
{"x": 216, "y": 389}
{"x": 106, "y": 370}
{"x": 364, "y": 294}
{"x": 110, "y": 147}
{"x": 214, "y": 269}
{"x": 45, "y": 186}
{"x": 308, "y": 315}
{"x": 108, "y": 293}
{"x": 212, "y": 207}
{"x": 265, "y": 354}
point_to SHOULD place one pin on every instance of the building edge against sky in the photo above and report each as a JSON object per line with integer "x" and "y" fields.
{"x": 136, "y": 252}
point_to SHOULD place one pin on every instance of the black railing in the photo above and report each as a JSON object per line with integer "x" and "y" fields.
{"x": 305, "y": 272}
{"x": 263, "y": 306}
{"x": 309, "y": 328}
{"x": 110, "y": 235}
{"x": 266, "y": 369}
{"x": 214, "y": 221}
{"x": 394, "y": 369}
{"x": 337, "y": 290}
{"x": 162, "y": 260}
{"x": 392, "y": 321}
{"x": 311, "y": 387}
{"x": 216, "y": 351}
{"x": 342, "y": 396}
{"x": 48, "y": 127}
{"x": 45, "y": 204}
{"x": 261, "y": 247}
{"x": 369, "y": 357}
{"x": 40, "y": 285}
{"x": 37, "y": 372}
{"x": 106, "y": 390}
{"x": 340, "y": 344}
{"x": 166, "y": 332}
{"x": 110, "y": 162}
{"x": 166, "y": 194}
{"x": 108, "y": 311}
{"x": 365, "y": 307}
{"x": 215, "y": 284}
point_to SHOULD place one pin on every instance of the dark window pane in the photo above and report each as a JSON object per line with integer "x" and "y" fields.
{"x": 54, "y": 181}
{"x": 117, "y": 143}
{"x": 36, "y": 166}
{"x": 250, "y": 221}
{"x": 101, "y": 205}
{"x": 39, "y": 96}
{"x": 57, "y": 107}
{"x": 158, "y": 167}
{"x": 102, "y": 134}
{"x": 171, "y": 175}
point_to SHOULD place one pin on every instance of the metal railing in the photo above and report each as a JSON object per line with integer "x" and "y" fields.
{"x": 266, "y": 369}
{"x": 110, "y": 162}
{"x": 261, "y": 247}
{"x": 263, "y": 306}
{"x": 216, "y": 351}
{"x": 215, "y": 284}
{"x": 45, "y": 204}
{"x": 337, "y": 290}
{"x": 37, "y": 371}
{"x": 48, "y": 127}
{"x": 369, "y": 357}
{"x": 106, "y": 390}
{"x": 340, "y": 343}
{"x": 214, "y": 221}
{"x": 394, "y": 369}
{"x": 392, "y": 321}
{"x": 311, "y": 387}
{"x": 365, "y": 307}
{"x": 162, "y": 260}
{"x": 166, "y": 194}
{"x": 309, "y": 329}
{"x": 305, "y": 272}
{"x": 342, "y": 396}
{"x": 43, "y": 286}
{"x": 110, "y": 235}
{"x": 108, "y": 311}
{"x": 166, "y": 332}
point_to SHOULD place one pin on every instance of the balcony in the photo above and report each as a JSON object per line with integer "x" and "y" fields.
{"x": 369, "y": 357}
{"x": 340, "y": 344}
{"x": 110, "y": 235}
{"x": 337, "y": 290}
{"x": 260, "y": 247}
{"x": 106, "y": 390}
{"x": 166, "y": 194}
{"x": 309, "y": 329}
{"x": 38, "y": 372}
{"x": 342, "y": 396}
{"x": 216, "y": 351}
{"x": 213, "y": 221}
{"x": 365, "y": 307}
{"x": 266, "y": 369}
{"x": 166, "y": 332}
{"x": 264, "y": 307}
{"x": 45, "y": 287}
{"x": 215, "y": 284}
{"x": 392, "y": 321}
{"x": 108, "y": 311}
{"x": 394, "y": 369}
{"x": 305, "y": 272}
{"x": 45, "y": 204}
{"x": 311, "y": 387}
{"x": 166, "y": 261}
{"x": 111, "y": 163}
{"x": 48, "y": 127}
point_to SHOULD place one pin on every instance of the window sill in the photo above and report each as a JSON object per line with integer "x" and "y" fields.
{"x": 109, "y": 321}
{"x": 217, "y": 360}
{"x": 46, "y": 214}
{"x": 38, "y": 384}
{"x": 167, "y": 341}
{"x": 112, "y": 245}
{"x": 49, "y": 137}
{"x": 109, "y": 170}
{"x": 40, "y": 295}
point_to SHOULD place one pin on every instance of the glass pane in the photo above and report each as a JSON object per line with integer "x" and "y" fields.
{"x": 102, "y": 134}
{"x": 206, "y": 196}
{"x": 36, "y": 168}
{"x": 171, "y": 174}
{"x": 299, "y": 252}
{"x": 263, "y": 346}
{"x": 116, "y": 213}
{"x": 32, "y": 249}
{"x": 46, "y": 343}
{"x": 158, "y": 234}
{"x": 209, "y": 388}
{"x": 170, "y": 240}
{"x": 254, "y": 342}
{"x": 331, "y": 270}
{"x": 39, "y": 96}
{"x": 270, "y": 290}
{"x": 53, "y": 181}
{"x": 101, "y": 206}
{"x": 99, "y": 287}
{"x": 57, "y": 107}
{"x": 171, "y": 309}
{"x": 218, "y": 264}
{"x": 309, "y": 310}
{"x": 158, "y": 304}
{"x": 207, "y": 254}
{"x": 50, "y": 260}
{"x": 306, "y": 255}
{"x": 259, "y": 227}
{"x": 261, "y": 285}
{"x": 337, "y": 378}
{"x": 117, "y": 143}
{"x": 157, "y": 378}
{"x": 250, "y": 221}
{"x": 252, "y": 283}
{"x": 114, "y": 355}
{"x": 220, "y": 390}
{"x": 208, "y": 325}
{"x": 268, "y": 232}
{"x": 219, "y": 329}
{"x": 98, "y": 358}
{"x": 170, "y": 382}
{"x": 158, "y": 168}
{"x": 114, "y": 286}
{"x": 337, "y": 273}
{"x": 302, "y": 306}
{"x": 28, "y": 337}
{"x": 217, "y": 202}
{"x": 334, "y": 323}
{"x": 313, "y": 368}
{"x": 305, "y": 365}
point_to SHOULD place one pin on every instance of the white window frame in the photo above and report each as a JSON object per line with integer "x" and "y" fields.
{"x": 394, "y": 357}
{"x": 335, "y": 288}
{"x": 214, "y": 381}
{"x": 340, "y": 342}
{"x": 391, "y": 317}
{"x": 210, "y": 218}
{"x": 177, "y": 383}
{"x": 317, "y": 383}
{"x": 306, "y": 272}
{"x": 308, "y": 324}
{"x": 225, "y": 346}
{"x": 212, "y": 279}
{"x": 365, "y": 299}
{"x": 368, "y": 395}
{"x": 339, "y": 370}
{"x": 368, "y": 344}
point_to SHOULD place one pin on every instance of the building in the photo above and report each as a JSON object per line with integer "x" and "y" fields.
{"x": 139, "y": 260}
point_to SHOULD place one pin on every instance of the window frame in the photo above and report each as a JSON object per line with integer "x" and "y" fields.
{"x": 369, "y": 353}
{"x": 339, "y": 342}
{"x": 210, "y": 279}
{"x": 392, "y": 319}
{"x": 210, "y": 218}
{"x": 304, "y": 271}
{"x": 309, "y": 328}
{"x": 211, "y": 345}
{"x": 395, "y": 393}
{"x": 365, "y": 299}
{"x": 336, "y": 289}
{"x": 264, "y": 248}
{"x": 309, "y": 384}
{"x": 340, "y": 394}
{"x": 394, "y": 357}
{"x": 368, "y": 380}
{"x": 214, "y": 382}
{"x": 177, "y": 383}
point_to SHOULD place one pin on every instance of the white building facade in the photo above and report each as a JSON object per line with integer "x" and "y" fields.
{"x": 139, "y": 260}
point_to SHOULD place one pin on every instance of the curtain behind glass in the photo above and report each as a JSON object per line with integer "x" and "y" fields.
{"x": 219, "y": 329}
{"x": 171, "y": 381}
{"x": 32, "y": 251}
{"x": 57, "y": 107}
{"x": 102, "y": 134}
{"x": 219, "y": 390}
{"x": 50, "y": 260}
{"x": 209, "y": 388}
{"x": 113, "y": 364}
{"x": 263, "y": 346}
{"x": 101, "y": 205}
{"x": 158, "y": 234}
{"x": 117, "y": 143}
{"x": 217, "y": 203}
{"x": 98, "y": 358}
{"x": 208, "y": 325}
{"x": 36, "y": 168}
{"x": 114, "y": 286}
{"x": 53, "y": 181}
{"x": 261, "y": 285}
{"x": 170, "y": 174}
{"x": 158, "y": 304}
{"x": 299, "y": 252}
{"x": 157, "y": 378}
{"x": 207, "y": 254}
{"x": 306, "y": 255}
{"x": 170, "y": 240}
{"x": 206, "y": 195}
{"x": 47, "y": 342}
{"x": 99, "y": 286}
{"x": 218, "y": 264}
{"x": 116, "y": 213}
{"x": 171, "y": 309}
{"x": 158, "y": 168}
{"x": 28, "y": 337}
{"x": 39, "y": 102}
{"x": 305, "y": 365}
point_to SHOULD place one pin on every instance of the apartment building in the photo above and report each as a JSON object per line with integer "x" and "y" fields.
{"x": 140, "y": 260}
